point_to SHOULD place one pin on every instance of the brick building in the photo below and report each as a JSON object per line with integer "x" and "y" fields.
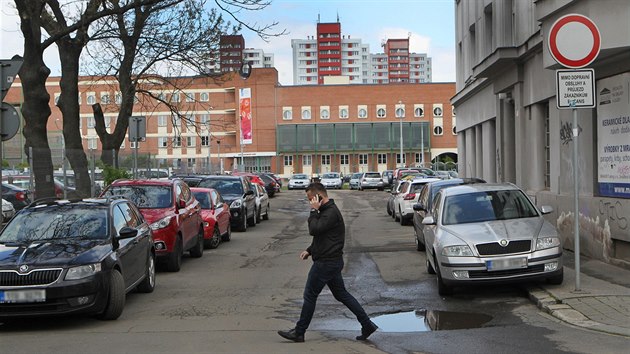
{"x": 308, "y": 129}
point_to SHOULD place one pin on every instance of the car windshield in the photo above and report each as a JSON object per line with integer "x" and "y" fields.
{"x": 224, "y": 186}
{"x": 487, "y": 206}
{"x": 416, "y": 187}
{"x": 357, "y": 175}
{"x": 330, "y": 175}
{"x": 203, "y": 198}
{"x": 144, "y": 196}
{"x": 84, "y": 222}
{"x": 299, "y": 177}
{"x": 372, "y": 175}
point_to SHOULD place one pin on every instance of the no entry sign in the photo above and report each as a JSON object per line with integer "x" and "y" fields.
{"x": 574, "y": 41}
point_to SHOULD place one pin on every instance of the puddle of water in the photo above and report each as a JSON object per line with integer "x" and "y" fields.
{"x": 429, "y": 320}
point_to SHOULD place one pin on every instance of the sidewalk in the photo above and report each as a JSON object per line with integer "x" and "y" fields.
{"x": 602, "y": 304}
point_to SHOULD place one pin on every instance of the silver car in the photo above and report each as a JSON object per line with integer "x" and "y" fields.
{"x": 371, "y": 180}
{"x": 490, "y": 233}
{"x": 355, "y": 179}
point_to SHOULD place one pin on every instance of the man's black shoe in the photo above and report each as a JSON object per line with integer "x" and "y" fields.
{"x": 366, "y": 331}
{"x": 292, "y": 335}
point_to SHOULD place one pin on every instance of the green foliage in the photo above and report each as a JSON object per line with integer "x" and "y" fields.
{"x": 110, "y": 174}
{"x": 5, "y": 163}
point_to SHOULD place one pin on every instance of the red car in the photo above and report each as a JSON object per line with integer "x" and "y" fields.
{"x": 173, "y": 213}
{"x": 252, "y": 177}
{"x": 216, "y": 216}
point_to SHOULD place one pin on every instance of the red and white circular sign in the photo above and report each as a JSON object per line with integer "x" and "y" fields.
{"x": 574, "y": 41}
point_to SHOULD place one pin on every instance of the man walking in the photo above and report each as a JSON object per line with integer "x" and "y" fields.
{"x": 326, "y": 225}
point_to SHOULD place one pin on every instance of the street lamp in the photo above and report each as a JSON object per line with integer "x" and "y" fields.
{"x": 400, "y": 112}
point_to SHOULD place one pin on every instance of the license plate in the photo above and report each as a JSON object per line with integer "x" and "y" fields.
{"x": 22, "y": 296}
{"x": 508, "y": 263}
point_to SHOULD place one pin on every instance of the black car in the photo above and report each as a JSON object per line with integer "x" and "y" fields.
{"x": 239, "y": 194}
{"x": 425, "y": 203}
{"x": 17, "y": 196}
{"x": 271, "y": 186}
{"x": 65, "y": 257}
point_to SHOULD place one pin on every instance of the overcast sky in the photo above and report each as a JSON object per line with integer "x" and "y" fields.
{"x": 429, "y": 23}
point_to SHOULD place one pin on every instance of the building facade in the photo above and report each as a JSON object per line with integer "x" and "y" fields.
{"x": 510, "y": 129}
{"x": 310, "y": 129}
{"x": 232, "y": 54}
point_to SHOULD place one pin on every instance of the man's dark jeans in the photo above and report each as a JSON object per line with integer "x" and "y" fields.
{"x": 327, "y": 272}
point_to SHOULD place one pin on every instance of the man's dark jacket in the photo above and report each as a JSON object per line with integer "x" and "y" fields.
{"x": 328, "y": 231}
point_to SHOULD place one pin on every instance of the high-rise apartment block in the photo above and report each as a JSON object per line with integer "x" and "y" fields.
{"x": 333, "y": 58}
{"x": 232, "y": 54}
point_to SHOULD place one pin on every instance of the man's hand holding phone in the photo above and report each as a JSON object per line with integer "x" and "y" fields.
{"x": 316, "y": 202}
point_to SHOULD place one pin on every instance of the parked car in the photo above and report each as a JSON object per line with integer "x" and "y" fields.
{"x": 271, "y": 186}
{"x": 407, "y": 197}
{"x": 17, "y": 196}
{"x": 278, "y": 180}
{"x": 425, "y": 202}
{"x": 238, "y": 192}
{"x": 331, "y": 180}
{"x": 24, "y": 182}
{"x": 490, "y": 233}
{"x": 298, "y": 181}
{"x": 173, "y": 213}
{"x": 262, "y": 204}
{"x": 355, "y": 179}
{"x": 8, "y": 211}
{"x": 191, "y": 180}
{"x": 215, "y": 213}
{"x": 392, "y": 195}
{"x": 81, "y": 256}
{"x": 453, "y": 174}
{"x": 442, "y": 174}
{"x": 252, "y": 177}
{"x": 388, "y": 178}
{"x": 371, "y": 180}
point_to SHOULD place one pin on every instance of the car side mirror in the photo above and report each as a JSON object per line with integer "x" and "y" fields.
{"x": 250, "y": 192}
{"x": 127, "y": 232}
{"x": 428, "y": 220}
{"x": 546, "y": 209}
{"x": 418, "y": 207}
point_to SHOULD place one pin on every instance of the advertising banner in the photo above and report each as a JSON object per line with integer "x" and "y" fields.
{"x": 613, "y": 136}
{"x": 245, "y": 114}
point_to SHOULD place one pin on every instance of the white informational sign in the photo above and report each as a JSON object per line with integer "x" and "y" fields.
{"x": 575, "y": 88}
{"x": 613, "y": 136}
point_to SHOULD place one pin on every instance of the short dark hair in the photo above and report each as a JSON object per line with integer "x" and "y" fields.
{"x": 318, "y": 188}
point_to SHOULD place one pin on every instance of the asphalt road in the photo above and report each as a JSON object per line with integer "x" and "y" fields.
{"x": 236, "y": 297}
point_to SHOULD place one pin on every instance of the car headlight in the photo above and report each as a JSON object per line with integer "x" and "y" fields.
{"x": 83, "y": 271}
{"x": 160, "y": 224}
{"x": 457, "y": 251}
{"x": 236, "y": 204}
{"x": 547, "y": 242}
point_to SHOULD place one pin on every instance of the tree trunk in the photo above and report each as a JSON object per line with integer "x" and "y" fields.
{"x": 69, "y": 54}
{"x": 110, "y": 144}
{"x": 35, "y": 109}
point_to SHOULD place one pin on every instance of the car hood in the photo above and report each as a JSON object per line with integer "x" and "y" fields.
{"x": 152, "y": 215}
{"x": 494, "y": 231}
{"x": 229, "y": 198}
{"x": 60, "y": 252}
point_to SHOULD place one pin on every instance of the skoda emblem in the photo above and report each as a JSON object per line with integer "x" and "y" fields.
{"x": 503, "y": 242}
{"x": 23, "y": 268}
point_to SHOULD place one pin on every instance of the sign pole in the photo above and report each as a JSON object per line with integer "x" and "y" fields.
{"x": 576, "y": 221}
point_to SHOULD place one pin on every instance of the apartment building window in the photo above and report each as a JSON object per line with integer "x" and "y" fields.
{"x": 287, "y": 113}
{"x": 204, "y": 97}
{"x": 161, "y": 121}
{"x": 382, "y": 159}
{"x": 403, "y": 159}
{"x": 306, "y": 112}
{"x": 362, "y": 111}
{"x": 438, "y": 126}
{"x": 419, "y": 158}
{"x": 437, "y": 110}
{"x": 118, "y": 98}
{"x": 400, "y": 112}
{"x": 191, "y": 162}
{"x": 133, "y": 145}
{"x": 325, "y": 159}
{"x": 307, "y": 160}
{"x": 381, "y": 112}
{"x": 162, "y": 142}
{"x": 288, "y": 160}
{"x": 177, "y": 141}
{"x": 105, "y": 98}
{"x": 344, "y": 159}
{"x": 363, "y": 159}
{"x": 90, "y": 122}
{"x": 92, "y": 143}
{"x": 204, "y": 119}
{"x": 204, "y": 140}
{"x": 190, "y": 96}
{"x": 418, "y": 110}
{"x": 190, "y": 141}
{"x": 175, "y": 97}
{"x": 343, "y": 112}
{"x": 91, "y": 98}
{"x": 177, "y": 121}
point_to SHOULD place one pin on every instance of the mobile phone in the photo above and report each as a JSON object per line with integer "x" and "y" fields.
{"x": 319, "y": 198}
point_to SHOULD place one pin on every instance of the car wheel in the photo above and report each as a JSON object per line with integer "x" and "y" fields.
{"x": 266, "y": 216}
{"x": 419, "y": 245}
{"x": 148, "y": 284}
{"x": 556, "y": 279}
{"x": 116, "y": 297}
{"x": 430, "y": 269}
{"x": 227, "y": 236}
{"x": 197, "y": 250}
{"x": 400, "y": 217}
{"x": 252, "y": 221}
{"x": 389, "y": 211}
{"x": 174, "y": 263}
{"x": 215, "y": 240}
{"x": 259, "y": 216}
{"x": 443, "y": 289}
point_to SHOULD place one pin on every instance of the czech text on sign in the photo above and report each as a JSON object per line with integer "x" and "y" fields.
{"x": 576, "y": 88}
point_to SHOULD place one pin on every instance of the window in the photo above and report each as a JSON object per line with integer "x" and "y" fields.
{"x": 90, "y": 122}
{"x": 118, "y": 98}
{"x": 161, "y": 121}
{"x": 344, "y": 159}
{"x": 105, "y": 98}
{"x": 453, "y": 124}
{"x": 92, "y": 143}
{"x": 418, "y": 111}
{"x": 307, "y": 160}
{"x": 419, "y": 158}
{"x": 91, "y": 98}
{"x": 382, "y": 159}
{"x": 400, "y": 112}
{"x": 177, "y": 121}
{"x": 204, "y": 97}
{"x": 398, "y": 159}
{"x": 362, "y": 112}
{"x": 177, "y": 141}
{"x": 190, "y": 163}
{"x": 162, "y": 142}
{"x": 438, "y": 126}
{"x": 324, "y": 112}
{"x": 306, "y": 112}
{"x": 363, "y": 159}
{"x": 288, "y": 160}
{"x": 325, "y": 159}
{"x": 190, "y": 141}
{"x": 190, "y": 96}
{"x": 133, "y": 144}
{"x": 380, "y": 112}
{"x": 438, "y": 130}
{"x": 204, "y": 140}
{"x": 287, "y": 113}
{"x": 437, "y": 110}
{"x": 343, "y": 112}
{"x": 175, "y": 97}
{"x": 204, "y": 119}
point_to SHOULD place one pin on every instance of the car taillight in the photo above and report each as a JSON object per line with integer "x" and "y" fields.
{"x": 21, "y": 196}
{"x": 410, "y": 196}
